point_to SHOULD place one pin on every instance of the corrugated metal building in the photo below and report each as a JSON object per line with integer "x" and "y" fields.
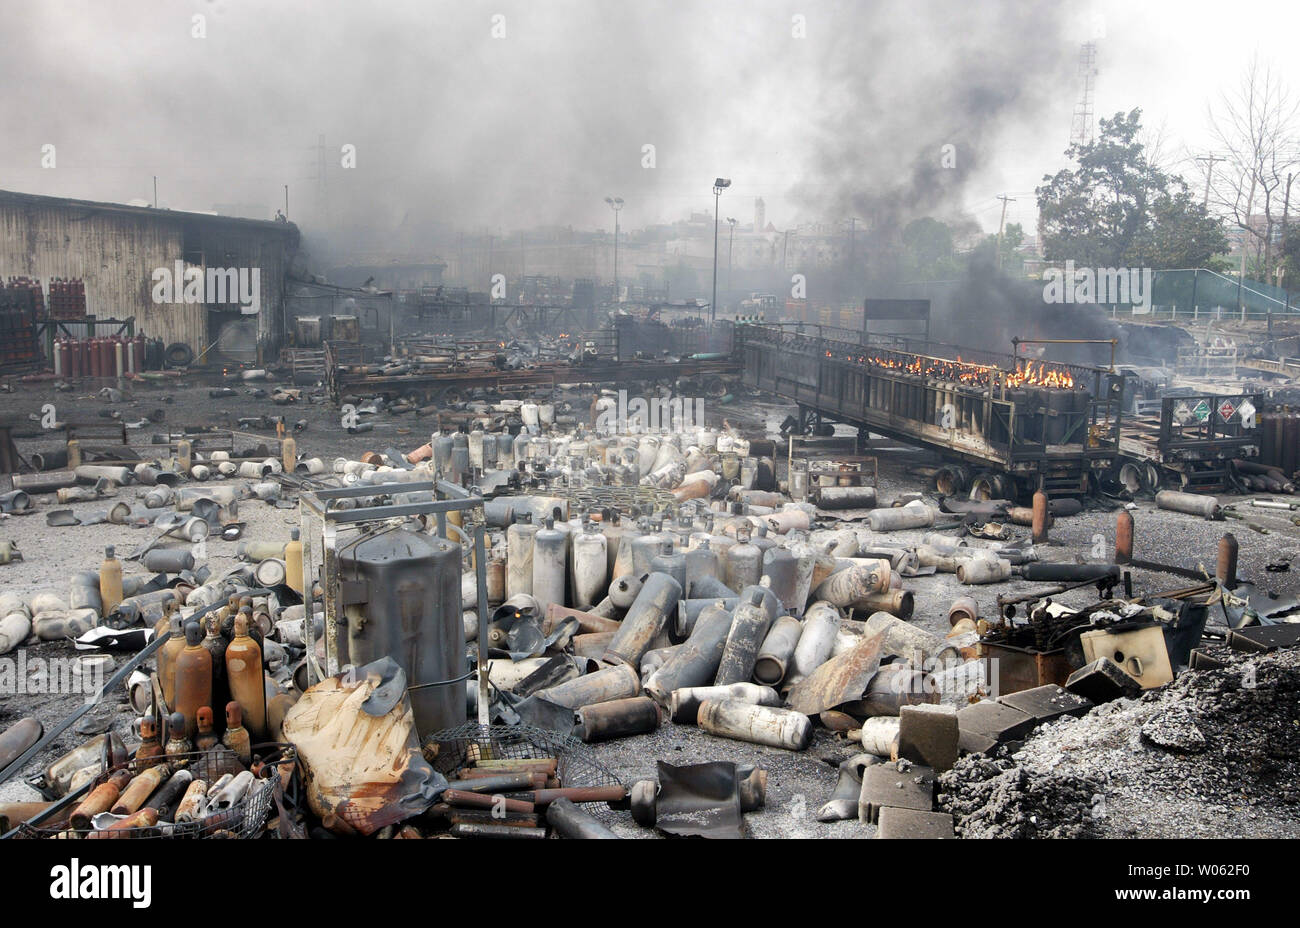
{"x": 119, "y": 252}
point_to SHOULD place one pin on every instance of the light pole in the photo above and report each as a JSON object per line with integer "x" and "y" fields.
{"x": 719, "y": 185}
{"x": 616, "y": 204}
{"x": 731, "y": 241}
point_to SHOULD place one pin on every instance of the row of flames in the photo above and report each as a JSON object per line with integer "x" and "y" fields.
{"x": 1027, "y": 373}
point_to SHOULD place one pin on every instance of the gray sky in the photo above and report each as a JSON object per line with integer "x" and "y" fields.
{"x": 453, "y": 124}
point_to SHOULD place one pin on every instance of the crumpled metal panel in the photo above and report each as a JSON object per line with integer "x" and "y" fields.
{"x": 841, "y": 679}
{"x": 700, "y": 800}
{"x": 355, "y": 734}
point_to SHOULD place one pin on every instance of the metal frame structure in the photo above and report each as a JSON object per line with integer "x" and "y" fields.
{"x": 315, "y": 506}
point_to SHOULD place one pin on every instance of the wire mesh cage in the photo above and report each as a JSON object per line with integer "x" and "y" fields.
{"x": 471, "y": 742}
{"x": 242, "y": 819}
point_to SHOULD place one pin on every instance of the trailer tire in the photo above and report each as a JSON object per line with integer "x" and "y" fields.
{"x": 1132, "y": 477}
{"x": 951, "y": 480}
{"x": 988, "y": 485}
{"x": 1153, "y": 480}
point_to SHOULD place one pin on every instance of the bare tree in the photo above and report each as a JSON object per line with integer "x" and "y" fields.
{"x": 1256, "y": 130}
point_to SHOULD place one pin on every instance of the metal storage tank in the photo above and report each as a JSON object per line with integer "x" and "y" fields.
{"x": 401, "y": 598}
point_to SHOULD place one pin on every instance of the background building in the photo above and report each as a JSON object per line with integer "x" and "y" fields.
{"x": 115, "y": 250}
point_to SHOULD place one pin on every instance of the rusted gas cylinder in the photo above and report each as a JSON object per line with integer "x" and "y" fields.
{"x": 617, "y": 682}
{"x": 696, "y": 662}
{"x": 777, "y": 650}
{"x": 749, "y": 624}
{"x": 768, "y": 725}
{"x": 684, "y": 704}
{"x": 1226, "y": 568}
{"x": 645, "y": 619}
{"x": 1123, "y": 537}
{"x": 244, "y": 677}
{"x": 618, "y": 718}
{"x": 1042, "y": 519}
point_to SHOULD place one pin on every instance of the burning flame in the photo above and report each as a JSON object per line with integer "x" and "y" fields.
{"x": 1027, "y": 373}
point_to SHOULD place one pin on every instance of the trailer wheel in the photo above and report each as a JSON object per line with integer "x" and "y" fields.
{"x": 447, "y": 396}
{"x": 1153, "y": 479}
{"x": 1132, "y": 477}
{"x": 951, "y": 479}
{"x": 987, "y": 486}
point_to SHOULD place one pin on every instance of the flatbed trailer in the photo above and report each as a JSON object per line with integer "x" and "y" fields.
{"x": 1193, "y": 439}
{"x": 1006, "y": 425}
{"x": 453, "y": 380}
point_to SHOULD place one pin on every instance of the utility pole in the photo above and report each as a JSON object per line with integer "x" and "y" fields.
{"x": 719, "y": 185}
{"x": 155, "y": 191}
{"x": 1212, "y": 160}
{"x": 616, "y": 204}
{"x": 731, "y": 240}
{"x": 1002, "y": 224}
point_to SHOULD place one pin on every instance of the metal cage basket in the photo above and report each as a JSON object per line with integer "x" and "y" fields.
{"x": 244, "y": 819}
{"x": 575, "y": 763}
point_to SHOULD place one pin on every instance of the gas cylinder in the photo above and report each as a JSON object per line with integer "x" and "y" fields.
{"x": 236, "y": 736}
{"x": 293, "y": 562}
{"x": 244, "y": 677}
{"x": 550, "y": 549}
{"x": 150, "y": 751}
{"x": 205, "y": 739}
{"x": 442, "y": 454}
{"x": 519, "y": 555}
{"x": 110, "y": 582}
{"x": 701, "y": 561}
{"x": 288, "y": 453}
{"x": 177, "y": 743}
{"x": 744, "y": 562}
{"x": 167, "y": 655}
{"x": 590, "y": 566}
{"x": 193, "y": 678}
{"x": 781, "y": 567}
{"x": 475, "y": 447}
{"x": 645, "y": 547}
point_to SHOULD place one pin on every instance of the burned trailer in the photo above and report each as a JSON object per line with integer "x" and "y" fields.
{"x": 444, "y": 372}
{"x": 1008, "y": 424}
{"x": 1192, "y": 439}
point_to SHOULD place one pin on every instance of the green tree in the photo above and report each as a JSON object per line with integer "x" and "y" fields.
{"x": 1117, "y": 209}
{"x": 927, "y": 249}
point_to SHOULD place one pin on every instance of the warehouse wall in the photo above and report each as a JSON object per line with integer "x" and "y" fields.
{"x": 115, "y": 253}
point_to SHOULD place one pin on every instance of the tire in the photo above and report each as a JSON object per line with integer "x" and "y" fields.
{"x": 178, "y": 354}
{"x": 951, "y": 480}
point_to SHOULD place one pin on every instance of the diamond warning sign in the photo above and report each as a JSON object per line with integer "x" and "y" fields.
{"x": 1226, "y": 409}
{"x": 1201, "y": 410}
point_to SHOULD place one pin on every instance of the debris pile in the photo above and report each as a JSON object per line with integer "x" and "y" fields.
{"x": 538, "y": 573}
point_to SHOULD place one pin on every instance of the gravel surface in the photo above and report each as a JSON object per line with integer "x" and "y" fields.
{"x": 1156, "y": 802}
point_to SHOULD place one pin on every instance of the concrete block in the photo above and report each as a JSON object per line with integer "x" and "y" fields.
{"x": 1101, "y": 681}
{"x": 985, "y": 724}
{"x": 1264, "y": 638}
{"x": 928, "y": 734}
{"x": 913, "y": 824}
{"x": 885, "y": 786}
{"x": 1046, "y": 703}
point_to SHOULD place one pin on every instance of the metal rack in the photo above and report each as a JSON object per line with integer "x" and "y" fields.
{"x": 314, "y": 511}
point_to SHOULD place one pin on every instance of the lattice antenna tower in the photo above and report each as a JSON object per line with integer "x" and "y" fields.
{"x": 1082, "y": 128}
